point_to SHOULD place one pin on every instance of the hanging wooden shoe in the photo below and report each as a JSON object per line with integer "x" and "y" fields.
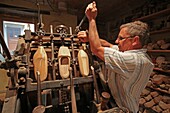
{"x": 83, "y": 61}
{"x": 64, "y": 61}
{"x": 40, "y": 63}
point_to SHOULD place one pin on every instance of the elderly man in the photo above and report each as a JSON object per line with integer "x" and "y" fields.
{"x": 128, "y": 64}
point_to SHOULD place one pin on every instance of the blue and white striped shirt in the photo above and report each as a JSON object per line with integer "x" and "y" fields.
{"x": 128, "y": 73}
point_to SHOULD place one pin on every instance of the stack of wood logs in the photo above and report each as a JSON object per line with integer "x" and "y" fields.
{"x": 158, "y": 45}
{"x": 155, "y": 98}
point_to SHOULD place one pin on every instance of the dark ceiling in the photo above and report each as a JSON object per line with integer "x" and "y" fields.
{"x": 107, "y": 9}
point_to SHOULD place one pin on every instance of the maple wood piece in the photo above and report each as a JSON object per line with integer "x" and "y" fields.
{"x": 83, "y": 61}
{"x": 64, "y": 61}
{"x": 40, "y": 63}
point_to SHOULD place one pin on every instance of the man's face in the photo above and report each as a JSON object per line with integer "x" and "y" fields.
{"x": 124, "y": 40}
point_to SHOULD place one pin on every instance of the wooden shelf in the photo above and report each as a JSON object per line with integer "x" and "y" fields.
{"x": 154, "y": 15}
{"x": 158, "y": 51}
{"x": 160, "y": 31}
{"x": 160, "y": 90}
{"x": 162, "y": 71}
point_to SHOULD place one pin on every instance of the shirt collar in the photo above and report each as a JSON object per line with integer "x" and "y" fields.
{"x": 137, "y": 51}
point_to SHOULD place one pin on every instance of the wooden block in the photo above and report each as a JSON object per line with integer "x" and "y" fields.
{"x": 166, "y": 111}
{"x": 40, "y": 63}
{"x": 148, "y": 98}
{"x": 83, "y": 62}
{"x": 163, "y": 105}
{"x": 154, "y": 94}
{"x": 157, "y": 109}
{"x": 149, "y": 104}
{"x": 4, "y": 83}
{"x": 157, "y": 99}
{"x": 145, "y": 92}
{"x": 142, "y": 101}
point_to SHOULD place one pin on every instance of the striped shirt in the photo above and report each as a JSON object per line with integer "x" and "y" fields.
{"x": 128, "y": 73}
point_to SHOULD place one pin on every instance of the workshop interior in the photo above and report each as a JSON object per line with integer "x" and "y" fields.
{"x": 45, "y": 68}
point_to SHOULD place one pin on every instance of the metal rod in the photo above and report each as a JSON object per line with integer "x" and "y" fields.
{"x": 38, "y": 87}
{"x": 81, "y": 22}
{"x": 73, "y": 54}
{"x": 4, "y": 46}
{"x": 52, "y": 53}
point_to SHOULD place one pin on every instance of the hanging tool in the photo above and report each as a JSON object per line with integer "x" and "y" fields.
{"x": 40, "y": 108}
{"x": 40, "y": 24}
{"x": 4, "y": 47}
{"x": 63, "y": 53}
{"x": 95, "y": 86}
{"x": 52, "y": 53}
{"x": 40, "y": 57}
{"x": 73, "y": 53}
{"x": 79, "y": 26}
{"x": 73, "y": 98}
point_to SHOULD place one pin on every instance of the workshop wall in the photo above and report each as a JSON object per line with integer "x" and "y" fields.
{"x": 49, "y": 17}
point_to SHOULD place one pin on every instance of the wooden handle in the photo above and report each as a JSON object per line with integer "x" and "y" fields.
{"x": 73, "y": 97}
{"x": 105, "y": 100}
{"x": 38, "y": 88}
{"x": 4, "y": 46}
{"x": 39, "y": 108}
{"x": 95, "y": 86}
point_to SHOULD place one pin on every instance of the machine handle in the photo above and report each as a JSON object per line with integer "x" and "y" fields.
{"x": 5, "y": 47}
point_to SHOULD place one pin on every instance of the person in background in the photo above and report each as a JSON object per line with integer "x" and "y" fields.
{"x": 129, "y": 67}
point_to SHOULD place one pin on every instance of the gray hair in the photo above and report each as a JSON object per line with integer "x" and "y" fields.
{"x": 138, "y": 28}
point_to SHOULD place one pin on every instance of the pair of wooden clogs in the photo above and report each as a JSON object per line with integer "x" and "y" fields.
{"x": 64, "y": 62}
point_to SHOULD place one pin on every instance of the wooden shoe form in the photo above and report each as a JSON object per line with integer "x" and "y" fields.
{"x": 83, "y": 61}
{"x": 64, "y": 61}
{"x": 40, "y": 63}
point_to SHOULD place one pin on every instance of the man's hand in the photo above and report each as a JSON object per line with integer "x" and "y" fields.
{"x": 83, "y": 36}
{"x": 91, "y": 11}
